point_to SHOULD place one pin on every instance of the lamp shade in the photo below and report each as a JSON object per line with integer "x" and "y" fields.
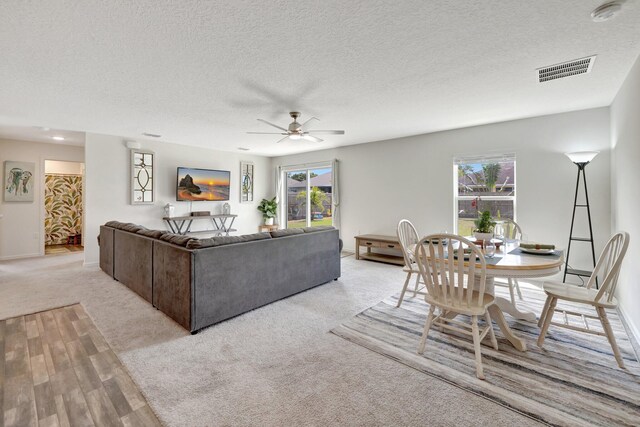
{"x": 582, "y": 156}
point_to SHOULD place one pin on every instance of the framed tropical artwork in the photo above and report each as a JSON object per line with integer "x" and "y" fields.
{"x": 18, "y": 181}
{"x": 246, "y": 182}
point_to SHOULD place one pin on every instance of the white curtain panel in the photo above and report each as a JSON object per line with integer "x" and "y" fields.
{"x": 281, "y": 216}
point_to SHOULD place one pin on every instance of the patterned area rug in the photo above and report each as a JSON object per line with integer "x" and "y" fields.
{"x": 573, "y": 381}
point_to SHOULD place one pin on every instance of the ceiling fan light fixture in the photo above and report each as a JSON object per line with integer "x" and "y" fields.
{"x": 297, "y": 131}
{"x": 606, "y": 11}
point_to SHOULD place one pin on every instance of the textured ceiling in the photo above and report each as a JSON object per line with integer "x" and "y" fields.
{"x": 201, "y": 72}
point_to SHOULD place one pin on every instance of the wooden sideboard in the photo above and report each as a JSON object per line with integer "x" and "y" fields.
{"x": 379, "y": 248}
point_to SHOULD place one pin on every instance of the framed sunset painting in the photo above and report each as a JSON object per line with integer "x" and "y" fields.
{"x": 202, "y": 185}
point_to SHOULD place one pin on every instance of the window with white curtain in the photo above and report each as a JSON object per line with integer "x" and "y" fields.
{"x": 483, "y": 183}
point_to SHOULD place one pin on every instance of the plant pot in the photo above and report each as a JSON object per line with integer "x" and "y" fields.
{"x": 268, "y": 221}
{"x": 482, "y": 236}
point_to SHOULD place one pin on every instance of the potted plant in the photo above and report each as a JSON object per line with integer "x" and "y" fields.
{"x": 484, "y": 226}
{"x": 268, "y": 209}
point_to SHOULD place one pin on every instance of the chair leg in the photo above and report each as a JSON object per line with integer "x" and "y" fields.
{"x": 547, "y": 320}
{"x": 415, "y": 289}
{"x": 612, "y": 339}
{"x": 404, "y": 289}
{"x": 476, "y": 346}
{"x": 545, "y": 309}
{"x": 492, "y": 335}
{"x": 515, "y": 281}
{"x": 425, "y": 332}
{"x": 513, "y": 298}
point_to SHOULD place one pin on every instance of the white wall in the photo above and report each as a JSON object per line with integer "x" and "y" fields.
{"x": 63, "y": 168}
{"x": 383, "y": 182}
{"x": 108, "y": 193}
{"x": 22, "y": 223}
{"x": 625, "y": 174}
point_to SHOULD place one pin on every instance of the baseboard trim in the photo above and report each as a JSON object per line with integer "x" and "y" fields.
{"x": 9, "y": 258}
{"x": 631, "y": 329}
{"x": 91, "y": 264}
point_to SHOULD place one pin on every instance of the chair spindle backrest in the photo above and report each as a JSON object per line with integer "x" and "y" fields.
{"x": 608, "y": 266}
{"x": 445, "y": 274}
{"x": 512, "y": 230}
{"x": 408, "y": 237}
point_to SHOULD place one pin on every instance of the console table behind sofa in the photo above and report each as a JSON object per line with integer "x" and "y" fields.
{"x": 200, "y": 286}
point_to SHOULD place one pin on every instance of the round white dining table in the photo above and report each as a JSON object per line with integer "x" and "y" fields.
{"x": 511, "y": 263}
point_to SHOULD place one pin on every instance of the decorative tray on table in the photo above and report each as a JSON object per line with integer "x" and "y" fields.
{"x": 467, "y": 253}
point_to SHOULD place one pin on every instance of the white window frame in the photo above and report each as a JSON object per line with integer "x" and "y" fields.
{"x": 304, "y": 167}
{"x": 489, "y": 158}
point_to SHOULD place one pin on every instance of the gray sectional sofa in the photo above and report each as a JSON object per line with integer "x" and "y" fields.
{"x": 199, "y": 282}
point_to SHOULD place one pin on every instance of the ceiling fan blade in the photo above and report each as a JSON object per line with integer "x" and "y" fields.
{"x": 280, "y": 140}
{"x": 271, "y": 124}
{"x": 268, "y": 133}
{"x": 327, "y": 132}
{"x": 305, "y": 123}
{"x": 312, "y": 138}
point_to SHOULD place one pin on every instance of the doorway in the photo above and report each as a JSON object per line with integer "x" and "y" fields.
{"x": 309, "y": 197}
{"x": 63, "y": 207}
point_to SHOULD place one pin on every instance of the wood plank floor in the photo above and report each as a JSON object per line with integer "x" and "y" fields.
{"x": 62, "y": 249}
{"x": 56, "y": 369}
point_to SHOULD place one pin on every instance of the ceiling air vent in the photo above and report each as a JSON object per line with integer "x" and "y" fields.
{"x": 566, "y": 69}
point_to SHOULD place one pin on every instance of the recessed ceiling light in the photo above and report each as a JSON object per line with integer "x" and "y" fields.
{"x": 606, "y": 11}
{"x": 58, "y": 138}
{"x": 152, "y": 135}
{"x": 243, "y": 149}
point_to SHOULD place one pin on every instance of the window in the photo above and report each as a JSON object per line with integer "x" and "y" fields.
{"x": 483, "y": 183}
{"x": 308, "y": 201}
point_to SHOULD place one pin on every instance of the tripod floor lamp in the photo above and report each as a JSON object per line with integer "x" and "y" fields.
{"x": 581, "y": 159}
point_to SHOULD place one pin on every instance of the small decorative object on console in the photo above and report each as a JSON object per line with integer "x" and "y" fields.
{"x": 169, "y": 210}
{"x": 200, "y": 213}
{"x": 226, "y": 209}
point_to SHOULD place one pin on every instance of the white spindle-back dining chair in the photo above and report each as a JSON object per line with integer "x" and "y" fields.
{"x": 512, "y": 231}
{"x": 408, "y": 238}
{"x": 445, "y": 276}
{"x": 608, "y": 267}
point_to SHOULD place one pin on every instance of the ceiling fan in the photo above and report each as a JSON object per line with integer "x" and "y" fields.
{"x": 297, "y": 131}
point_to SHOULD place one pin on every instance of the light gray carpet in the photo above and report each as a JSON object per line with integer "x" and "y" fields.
{"x": 574, "y": 380}
{"x": 277, "y": 365}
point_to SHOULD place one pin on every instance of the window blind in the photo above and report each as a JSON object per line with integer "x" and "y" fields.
{"x": 484, "y": 159}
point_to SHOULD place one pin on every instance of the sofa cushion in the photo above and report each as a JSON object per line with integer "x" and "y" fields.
{"x": 126, "y": 226}
{"x": 133, "y": 228}
{"x": 176, "y": 239}
{"x": 156, "y": 234}
{"x": 286, "y": 232}
{"x": 225, "y": 240}
{"x": 114, "y": 224}
{"x": 319, "y": 228}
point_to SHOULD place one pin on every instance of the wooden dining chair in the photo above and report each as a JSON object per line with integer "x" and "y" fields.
{"x": 512, "y": 231}
{"x": 445, "y": 276}
{"x": 609, "y": 267}
{"x": 408, "y": 238}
